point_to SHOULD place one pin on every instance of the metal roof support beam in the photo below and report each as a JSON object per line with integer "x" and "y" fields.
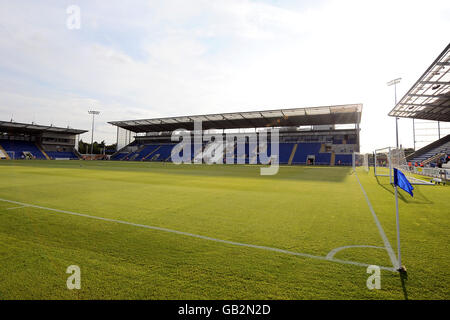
{"x": 434, "y": 82}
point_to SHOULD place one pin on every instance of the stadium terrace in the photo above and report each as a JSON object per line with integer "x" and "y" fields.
{"x": 320, "y": 136}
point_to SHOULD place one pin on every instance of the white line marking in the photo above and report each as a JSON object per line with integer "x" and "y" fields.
{"x": 380, "y": 228}
{"x": 333, "y": 252}
{"x": 15, "y": 208}
{"x": 305, "y": 255}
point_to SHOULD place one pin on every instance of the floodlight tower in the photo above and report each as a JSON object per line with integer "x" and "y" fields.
{"x": 94, "y": 113}
{"x": 394, "y": 83}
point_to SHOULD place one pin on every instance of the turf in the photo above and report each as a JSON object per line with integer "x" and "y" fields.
{"x": 310, "y": 210}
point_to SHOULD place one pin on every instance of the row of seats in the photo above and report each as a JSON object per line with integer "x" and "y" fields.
{"x": 61, "y": 155}
{"x": 19, "y": 148}
{"x": 162, "y": 152}
{"x": 343, "y": 159}
{"x": 306, "y": 149}
{"x": 445, "y": 149}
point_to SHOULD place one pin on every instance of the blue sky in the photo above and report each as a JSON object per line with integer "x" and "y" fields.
{"x": 143, "y": 59}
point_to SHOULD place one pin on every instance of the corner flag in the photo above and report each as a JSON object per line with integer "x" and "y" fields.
{"x": 401, "y": 181}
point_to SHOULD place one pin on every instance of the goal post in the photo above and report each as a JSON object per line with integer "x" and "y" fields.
{"x": 382, "y": 163}
{"x": 399, "y": 161}
{"x": 360, "y": 160}
{"x": 386, "y": 159}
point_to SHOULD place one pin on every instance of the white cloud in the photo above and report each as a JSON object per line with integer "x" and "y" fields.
{"x": 149, "y": 59}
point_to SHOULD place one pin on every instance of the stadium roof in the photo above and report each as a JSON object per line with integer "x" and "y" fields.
{"x": 342, "y": 114}
{"x": 429, "y": 97}
{"x": 16, "y": 127}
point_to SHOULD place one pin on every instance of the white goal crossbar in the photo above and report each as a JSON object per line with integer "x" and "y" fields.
{"x": 386, "y": 159}
{"x": 360, "y": 160}
{"x": 381, "y": 162}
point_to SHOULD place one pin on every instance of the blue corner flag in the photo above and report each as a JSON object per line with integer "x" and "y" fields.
{"x": 401, "y": 181}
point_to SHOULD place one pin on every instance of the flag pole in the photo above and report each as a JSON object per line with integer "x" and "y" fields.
{"x": 398, "y": 230}
{"x": 400, "y": 180}
{"x": 401, "y": 268}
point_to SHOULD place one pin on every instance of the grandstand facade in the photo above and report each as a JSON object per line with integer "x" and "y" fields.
{"x": 32, "y": 141}
{"x": 429, "y": 99}
{"x": 320, "y": 135}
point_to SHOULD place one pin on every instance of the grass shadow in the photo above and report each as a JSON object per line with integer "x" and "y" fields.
{"x": 293, "y": 173}
{"x": 388, "y": 189}
{"x": 403, "y": 280}
{"x": 419, "y": 197}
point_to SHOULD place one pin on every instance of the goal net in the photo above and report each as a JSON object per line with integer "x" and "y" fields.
{"x": 360, "y": 160}
{"x": 386, "y": 159}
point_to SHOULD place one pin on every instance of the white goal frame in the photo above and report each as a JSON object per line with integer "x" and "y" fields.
{"x": 360, "y": 160}
{"x": 396, "y": 159}
{"x": 388, "y": 159}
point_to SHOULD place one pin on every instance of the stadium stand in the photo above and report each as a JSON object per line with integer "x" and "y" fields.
{"x": 285, "y": 152}
{"x": 62, "y": 155}
{"x": 429, "y": 99}
{"x": 343, "y": 160}
{"x": 146, "y": 151}
{"x": 119, "y": 156}
{"x": 289, "y": 153}
{"x": 431, "y": 151}
{"x": 320, "y": 136}
{"x": 305, "y": 150}
{"x": 22, "y": 149}
{"x": 162, "y": 154}
{"x": 323, "y": 159}
{"x": 32, "y": 141}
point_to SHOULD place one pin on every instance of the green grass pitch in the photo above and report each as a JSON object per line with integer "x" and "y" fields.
{"x": 307, "y": 210}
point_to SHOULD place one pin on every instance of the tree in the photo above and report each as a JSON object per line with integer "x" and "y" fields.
{"x": 99, "y": 148}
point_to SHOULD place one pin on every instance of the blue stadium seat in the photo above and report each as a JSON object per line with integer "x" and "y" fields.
{"x": 285, "y": 150}
{"x": 323, "y": 159}
{"x": 343, "y": 159}
{"x": 146, "y": 151}
{"x": 19, "y": 147}
{"x": 162, "y": 154}
{"x": 119, "y": 156}
{"x": 304, "y": 150}
{"x": 66, "y": 155}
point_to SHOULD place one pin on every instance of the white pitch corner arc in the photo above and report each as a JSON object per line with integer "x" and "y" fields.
{"x": 278, "y": 250}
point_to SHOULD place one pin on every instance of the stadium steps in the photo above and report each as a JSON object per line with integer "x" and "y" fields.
{"x": 232, "y": 153}
{"x": 428, "y": 150}
{"x": 43, "y": 152}
{"x": 133, "y": 155}
{"x": 143, "y": 159}
{"x": 121, "y": 150}
{"x": 5, "y": 153}
{"x": 77, "y": 153}
{"x": 294, "y": 150}
{"x": 322, "y": 148}
{"x": 434, "y": 158}
{"x": 333, "y": 158}
{"x": 19, "y": 147}
{"x": 124, "y": 156}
